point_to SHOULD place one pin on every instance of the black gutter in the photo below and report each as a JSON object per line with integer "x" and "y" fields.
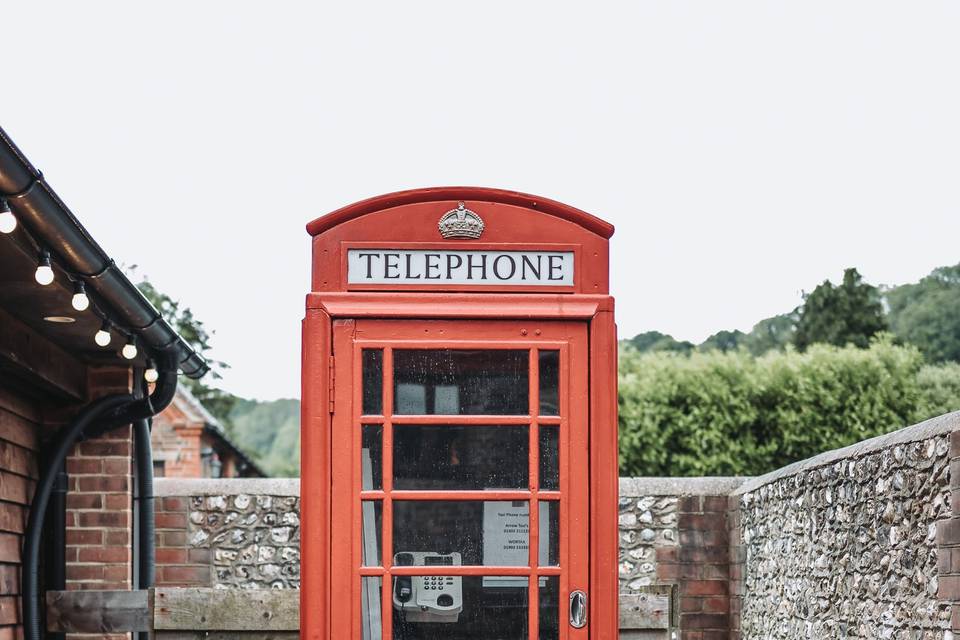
{"x": 51, "y": 223}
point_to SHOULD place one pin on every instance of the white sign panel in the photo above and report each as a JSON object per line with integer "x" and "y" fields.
{"x": 506, "y": 539}
{"x": 460, "y": 267}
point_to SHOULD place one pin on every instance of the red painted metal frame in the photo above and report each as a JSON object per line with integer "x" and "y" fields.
{"x": 315, "y": 474}
{"x": 350, "y": 337}
{"x": 321, "y": 539}
{"x": 464, "y": 305}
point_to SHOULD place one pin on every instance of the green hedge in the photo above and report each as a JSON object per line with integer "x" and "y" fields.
{"x": 717, "y": 413}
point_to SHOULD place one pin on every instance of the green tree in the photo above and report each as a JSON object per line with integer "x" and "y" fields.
{"x": 851, "y": 313}
{"x": 771, "y": 334}
{"x": 272, "y": 430}
{"x": 656, "y": 341}
{"x": 724, "y": 341}
{"x": 927, "y": 314}
{"x": 193, "y": 330}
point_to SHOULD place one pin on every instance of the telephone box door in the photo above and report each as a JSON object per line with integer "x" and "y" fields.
{"x": 460, "y": 480}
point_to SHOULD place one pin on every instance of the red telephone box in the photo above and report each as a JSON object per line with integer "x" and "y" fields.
{"x": 459, "y": 427}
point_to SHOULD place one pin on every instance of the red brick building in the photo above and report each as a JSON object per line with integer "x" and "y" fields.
{"x": 188, "y": 442}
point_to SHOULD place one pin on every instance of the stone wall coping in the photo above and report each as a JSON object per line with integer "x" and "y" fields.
{"x": 226, "y": 486}
{"x": 650, "y": 486}
{"x": 940, "y": 425}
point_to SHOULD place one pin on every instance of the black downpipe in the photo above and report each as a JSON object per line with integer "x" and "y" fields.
{"x": 98, "y": 417}
{"x": 143, "y": 408}
{"x": 56, "y": 564}
{"x": 145, "y": 508}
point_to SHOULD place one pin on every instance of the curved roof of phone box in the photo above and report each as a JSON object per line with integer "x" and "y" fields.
{"x": 378, "y": 203}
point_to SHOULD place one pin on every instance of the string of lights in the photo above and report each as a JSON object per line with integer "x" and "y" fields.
{"x": 81, "y": 300}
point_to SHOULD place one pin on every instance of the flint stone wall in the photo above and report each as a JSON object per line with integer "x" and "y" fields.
{"x": 845, "y": 545}
{"x": 855, "y": 543}
{"x": 248, "y": 530}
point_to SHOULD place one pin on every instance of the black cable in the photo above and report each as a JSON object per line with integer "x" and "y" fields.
{"x": 65, "y": 440}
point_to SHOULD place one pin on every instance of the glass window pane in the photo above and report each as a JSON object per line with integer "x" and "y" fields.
{"x": 550, "y": 608}
{"x": 461, "y": 382}
{"x": 371, "y": 624}
{"x": 371, "y": 456}
{"x": 470, "y": 532}
{"x": 372, "y": 381}
{"x": 549, "y": 533}
{"x": 549, "y": 458}
{"x": 371, "y": 517}
{"x": 460, "y": 608}
{"x": 549, "y": 383}
{"x": 447, "y": 457}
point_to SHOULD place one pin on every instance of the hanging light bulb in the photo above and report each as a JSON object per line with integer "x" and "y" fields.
{"x": 102, "y": 337}
{"x": 151, "y": 374}
{"x": 44, "y": 274}
{"x": 129, "y": 350}
{"x": 8, "y": 221}
{"x": 80, "y": 300}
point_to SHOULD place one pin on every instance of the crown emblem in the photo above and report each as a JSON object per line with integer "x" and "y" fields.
{"x": 460, "y": 223}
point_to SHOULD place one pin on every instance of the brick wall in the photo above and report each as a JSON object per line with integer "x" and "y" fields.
{"x": 179, "y": 562}
{"x": 100, "y": 502}
{"x": 177, "y": 441}
{"x": 20, "y": 434}
{"x": 702, "y": 567}
{"x": 674, "y": 531}
{"x": 99, "y": 515}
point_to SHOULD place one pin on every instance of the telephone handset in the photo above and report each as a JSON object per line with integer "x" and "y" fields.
{"x": 428, "y": 598}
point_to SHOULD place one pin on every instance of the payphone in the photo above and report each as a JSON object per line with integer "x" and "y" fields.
{"x": 459, "y": 466}
{"x": 427, "y": 598}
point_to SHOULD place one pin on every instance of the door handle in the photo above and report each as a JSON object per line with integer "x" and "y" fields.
{"x": 578, "y": 609}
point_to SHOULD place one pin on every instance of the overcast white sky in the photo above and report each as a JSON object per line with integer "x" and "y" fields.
{"x": 745, "y": 151}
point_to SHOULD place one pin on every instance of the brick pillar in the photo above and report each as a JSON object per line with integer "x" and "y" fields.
{"x": 948, "y": 541}
{"x": 99, "y": 515}
{"x": 704, "y": 558}
{"x": 100, "y": 501}
{"x": 179, "y": 562}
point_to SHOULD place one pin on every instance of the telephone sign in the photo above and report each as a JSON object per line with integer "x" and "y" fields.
{"x": 459, "y": 267}
{"x": 458, "y": 436}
